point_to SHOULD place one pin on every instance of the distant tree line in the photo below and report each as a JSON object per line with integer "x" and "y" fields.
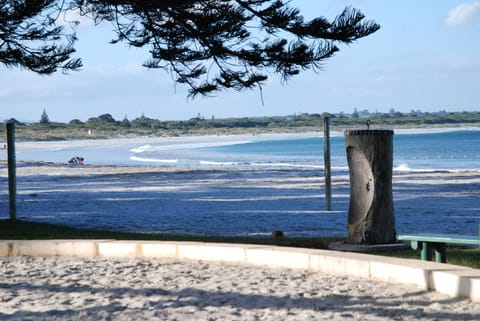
{"x": 106, "y": 125}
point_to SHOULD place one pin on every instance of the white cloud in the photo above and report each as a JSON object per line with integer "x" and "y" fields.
{"x": 463, "y": 14}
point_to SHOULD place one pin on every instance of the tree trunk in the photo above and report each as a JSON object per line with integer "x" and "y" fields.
{"x": 371, "y": 218}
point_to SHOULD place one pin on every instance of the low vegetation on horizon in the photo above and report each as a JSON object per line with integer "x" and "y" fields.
{"x": 105, "y": 126}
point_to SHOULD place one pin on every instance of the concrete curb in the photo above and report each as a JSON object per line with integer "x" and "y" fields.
{"x": 455, "y": 281}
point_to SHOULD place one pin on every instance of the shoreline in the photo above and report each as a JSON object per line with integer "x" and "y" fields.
{"x": 29, "y": 145}
{"x": 173, "y": 139}
{"x": 195, "y": 151}
{"x": 46, "y": 168}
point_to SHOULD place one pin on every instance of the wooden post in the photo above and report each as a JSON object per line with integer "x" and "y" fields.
{"x": 12, "y": 188}
{"x": 371, "y": 217}
{"x": 326, "y": 157}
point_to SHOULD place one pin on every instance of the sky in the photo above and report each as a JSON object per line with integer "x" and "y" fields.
{"x": 425, "y": 57}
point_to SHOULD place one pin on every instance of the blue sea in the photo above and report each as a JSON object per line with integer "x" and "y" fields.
{"x": 447, "y": 150}
{"x": 280, "y": 185}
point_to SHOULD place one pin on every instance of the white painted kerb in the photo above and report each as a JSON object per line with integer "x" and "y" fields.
{"x": 452, "y": 280}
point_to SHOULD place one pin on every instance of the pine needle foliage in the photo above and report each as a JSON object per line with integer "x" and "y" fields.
{"x": 207, "y": 45}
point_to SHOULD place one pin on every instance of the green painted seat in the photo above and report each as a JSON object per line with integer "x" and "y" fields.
{"x": 434, "y": 244}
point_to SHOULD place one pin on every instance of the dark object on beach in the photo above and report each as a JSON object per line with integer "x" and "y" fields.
{"x": 76, "y": 160}
{"x": 371, "y": 217}
{"x": 276, "y": 234}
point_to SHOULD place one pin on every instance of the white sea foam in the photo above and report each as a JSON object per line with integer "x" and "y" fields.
{"x": 181, "y": 146}
{"x": 405, "y": 168}
{"x": 153, "y": 160}
{"x": 141, "y": 149}
{"x": 286, "y": 164}
{"x": 402, "y": 168}
{"x": 340, "y": 168}
{"x": 203, "y": 162}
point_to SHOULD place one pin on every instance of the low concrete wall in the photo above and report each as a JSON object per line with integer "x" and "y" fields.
{"x": 455, "y": 281}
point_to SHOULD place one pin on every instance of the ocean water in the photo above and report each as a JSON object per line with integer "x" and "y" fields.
{"x": 448, "y": 150}
{"x": 426, "y": 151}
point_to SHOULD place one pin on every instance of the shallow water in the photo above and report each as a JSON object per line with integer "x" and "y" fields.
{"x": 237, "y": 202}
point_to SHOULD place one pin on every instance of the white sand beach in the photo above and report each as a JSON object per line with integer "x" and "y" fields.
{"x": 162, "y": 289}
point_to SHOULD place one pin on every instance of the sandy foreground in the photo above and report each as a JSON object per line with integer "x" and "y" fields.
{"x": 163, "y": 289}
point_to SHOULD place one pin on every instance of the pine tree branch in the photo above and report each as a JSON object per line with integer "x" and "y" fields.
{"x": 209, "y": 45}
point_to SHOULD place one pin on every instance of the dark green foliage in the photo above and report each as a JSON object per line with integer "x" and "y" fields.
{"x": 106, "y": 118}
{"x": 355, "y": 113}
{"x": 75, "y": 122}
{"x": 125, "y": 123}
{"x": 30, "y": 39}
{"x": 102, "y": 120}
{"x": 44, "y": 118}
{"x": 209, "y": 45}
{"x": 18, "y": 230}
{"x": 105, "y": 125}
{"x": 145, "y": 123}
{"x": 458, "y": 255}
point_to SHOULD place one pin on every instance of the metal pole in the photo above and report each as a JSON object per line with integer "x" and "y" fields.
{"x": 12, "y": 188}
{"x": 326, "y": 157}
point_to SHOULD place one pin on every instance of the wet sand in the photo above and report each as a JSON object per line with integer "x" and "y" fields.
{"x": 231, "y": 201}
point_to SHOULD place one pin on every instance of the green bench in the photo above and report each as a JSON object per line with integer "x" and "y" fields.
{"x": 432, "y": 244}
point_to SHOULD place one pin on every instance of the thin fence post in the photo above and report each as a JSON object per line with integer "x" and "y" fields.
{"x": 12, "y": 188}
{"x": 326, "y": 157}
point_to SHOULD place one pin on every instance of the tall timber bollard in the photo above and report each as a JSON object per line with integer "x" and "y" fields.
{"x": 12, "y": 188}
{"x": 371, "y": 218}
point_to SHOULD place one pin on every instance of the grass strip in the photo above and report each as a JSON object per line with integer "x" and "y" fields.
{"x": 25, "y": 230}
